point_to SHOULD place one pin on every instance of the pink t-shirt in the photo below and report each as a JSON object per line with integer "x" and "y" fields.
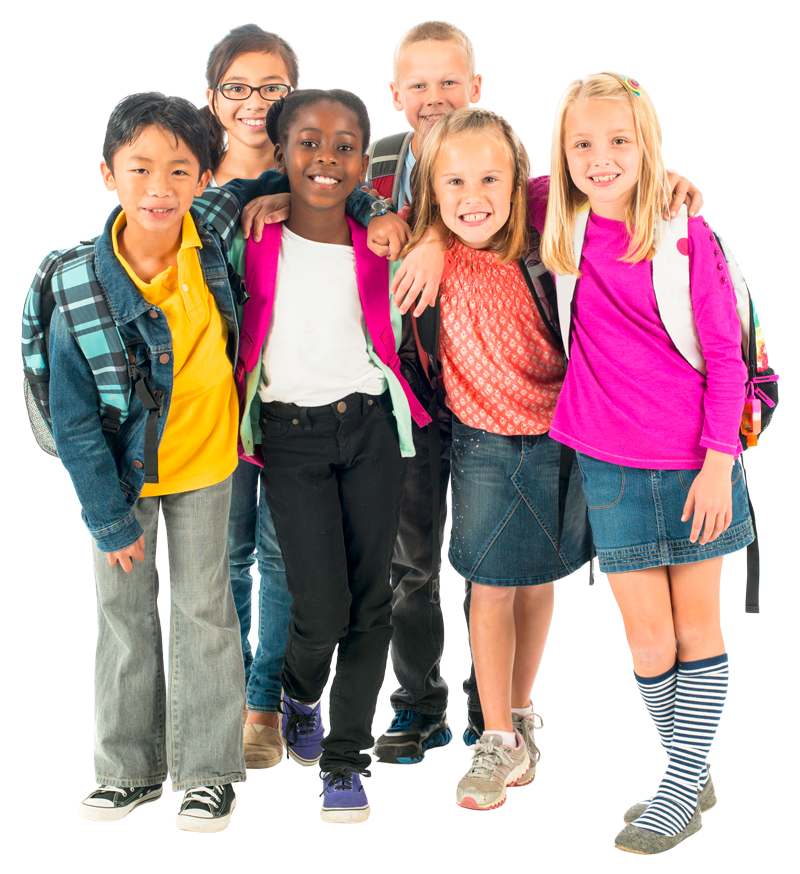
{"x": 629, "y": 397}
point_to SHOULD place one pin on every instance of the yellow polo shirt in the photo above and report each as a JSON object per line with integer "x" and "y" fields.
{"x": 198, "y": 446}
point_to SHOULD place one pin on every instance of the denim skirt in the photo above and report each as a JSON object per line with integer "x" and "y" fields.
{"x": 505, "y": 510}
{"x": 636, "y": 516}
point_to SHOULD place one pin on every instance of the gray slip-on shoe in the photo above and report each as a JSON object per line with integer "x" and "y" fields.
{"x": 633, "y": 839}
{"x": 706, "y": 799}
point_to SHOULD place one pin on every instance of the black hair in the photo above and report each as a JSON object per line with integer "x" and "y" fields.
{"x": 240, "y": 41}
{"x": 173, "y": 114}
{"x": 283, "y": 112}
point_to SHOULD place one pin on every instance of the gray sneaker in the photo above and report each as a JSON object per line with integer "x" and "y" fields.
{"x": 525, "y": 726}
{"x": 706, "y": 799}
{"x": 495, "y": 766}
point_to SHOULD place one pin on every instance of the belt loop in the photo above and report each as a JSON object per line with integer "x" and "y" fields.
{"x": 304, "y": 419}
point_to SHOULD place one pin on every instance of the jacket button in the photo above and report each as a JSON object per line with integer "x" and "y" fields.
{"x": 153, "y": 314}
{"x": 295, "y": 421}
{"x": 719, "y": 267}
{"x": 163, "y": 358}
{"x": 138, "y": 464}
{"x": 341, "y": 406}
{"x": 370, "y": 402}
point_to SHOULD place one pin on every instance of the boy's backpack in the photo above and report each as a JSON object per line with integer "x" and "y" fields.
{"x": 674, "y": 300}
{"x": 66, "y": 279}
{"x": 386, "y": 157}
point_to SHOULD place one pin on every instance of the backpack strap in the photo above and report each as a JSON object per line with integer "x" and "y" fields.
{"x": 673, "y": 293}
{"x": 385, "y": 163}
{"x": 565, "y": 284}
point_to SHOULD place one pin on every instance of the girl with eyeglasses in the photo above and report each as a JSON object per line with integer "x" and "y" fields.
{"x": 248, "y": 70}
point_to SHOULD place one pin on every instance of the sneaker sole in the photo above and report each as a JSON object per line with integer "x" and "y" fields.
{"x": 202, "y": 824}
{"x": 112, "y": 814}
{"x": 391, "y": 754}
{"x": 306, "y": 763}
{"x": 526, "y": 778}
{"x": 358, "y": 814}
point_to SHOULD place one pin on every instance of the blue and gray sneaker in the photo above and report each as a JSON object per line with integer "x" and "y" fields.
{"x": 409, "y": 735}
{"x": 302, "y": 730}
{"x": 474, "y": 730}
{"x": 343, "y": 797}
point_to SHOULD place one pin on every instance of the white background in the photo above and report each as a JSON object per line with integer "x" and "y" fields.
{"x": 720, "y": 76}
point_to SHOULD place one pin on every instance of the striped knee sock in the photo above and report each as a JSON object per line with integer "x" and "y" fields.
{"x": 700, "y": 692}
{"x": 658, "y": 694}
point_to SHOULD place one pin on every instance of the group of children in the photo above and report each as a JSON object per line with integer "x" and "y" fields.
{"x": 304, "y": 418}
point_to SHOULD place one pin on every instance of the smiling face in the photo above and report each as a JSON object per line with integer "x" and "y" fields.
{"x": 156, "y": 180}
{"x": 323, "y": 155}
{"x": 603, "y": 154}
{"x": 245, "y": 120}
{"x": 433, "y": 80}
{"x": 473, "y": 180}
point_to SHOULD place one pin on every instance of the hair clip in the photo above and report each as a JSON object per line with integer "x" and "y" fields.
{"x": 632, "y": 85}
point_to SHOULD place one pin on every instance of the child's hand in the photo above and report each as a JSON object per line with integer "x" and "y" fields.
{"x": 123, "y": 556}
{"x": 373, "y": 193}
{"x": 710, "y": 498}
{"x": 683, "y": 192}
{"x": 419, "y": 275}
{"x": 265, "y": 210}
{"x": 387, "y": 234}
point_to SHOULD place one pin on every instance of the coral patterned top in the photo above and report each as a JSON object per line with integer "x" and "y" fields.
{"x": 502, "y": 371}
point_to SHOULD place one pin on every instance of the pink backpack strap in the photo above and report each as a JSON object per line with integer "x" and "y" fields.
{"x": 372, "y": 276}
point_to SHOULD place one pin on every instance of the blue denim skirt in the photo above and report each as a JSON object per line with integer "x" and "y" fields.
{"x": 505, "y": 510}
{"x": 636, "y": 516}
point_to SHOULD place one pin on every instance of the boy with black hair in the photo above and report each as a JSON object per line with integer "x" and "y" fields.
{"x": 161, "y": 268}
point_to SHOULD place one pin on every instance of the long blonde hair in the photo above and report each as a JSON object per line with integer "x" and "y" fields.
{"x": 511, "y": 242}
{"x": 651, "y": 192}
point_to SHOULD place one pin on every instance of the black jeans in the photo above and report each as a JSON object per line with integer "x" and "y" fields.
{"x": 333, "y": 479}
{"x": 418, "y": 640}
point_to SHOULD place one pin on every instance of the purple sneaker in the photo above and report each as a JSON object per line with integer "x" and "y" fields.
{"x": 302, "y": 730}
{"x": 343, "y": 797}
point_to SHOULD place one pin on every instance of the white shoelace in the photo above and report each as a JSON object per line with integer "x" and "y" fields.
{"x": 212, "y": 795}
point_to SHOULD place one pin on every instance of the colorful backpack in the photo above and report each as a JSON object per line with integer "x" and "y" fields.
{"x": 674, "y": 300}
{"x": 66, "y": 279}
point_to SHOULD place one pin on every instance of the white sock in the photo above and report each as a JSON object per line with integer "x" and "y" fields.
{"x": 509, "y": 737}
{"x": 523, "y": 711}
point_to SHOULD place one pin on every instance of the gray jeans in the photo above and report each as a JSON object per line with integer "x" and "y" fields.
{"x": 196, "y": 731}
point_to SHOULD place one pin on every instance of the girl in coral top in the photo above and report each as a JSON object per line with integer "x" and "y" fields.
{"x": 502, "y": 370}
{"x": 657, "y": 439}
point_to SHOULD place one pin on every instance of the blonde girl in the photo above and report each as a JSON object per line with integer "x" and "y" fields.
{"x": 502, "y": 371}
{"x": 657, "y": 440}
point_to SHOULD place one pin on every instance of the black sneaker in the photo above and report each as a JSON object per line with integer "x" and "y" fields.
{"x": 409, "y": 735}
{"x": 474, "y": 730}
{"x": 207, "y": 808}
{"x": 109, "y": 803}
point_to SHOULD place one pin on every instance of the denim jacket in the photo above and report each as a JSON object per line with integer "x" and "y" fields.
{"x": 108, "y": 486}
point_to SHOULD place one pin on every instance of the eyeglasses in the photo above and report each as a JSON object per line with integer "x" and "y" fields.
{"x": 238, "y": 91}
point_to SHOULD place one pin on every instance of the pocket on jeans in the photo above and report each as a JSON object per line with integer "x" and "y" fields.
{"x": 273, "y": 428}
{"x": 462, "y": 430}
{"x": 603, "y": 482}
{"x": 687, "y": 477}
